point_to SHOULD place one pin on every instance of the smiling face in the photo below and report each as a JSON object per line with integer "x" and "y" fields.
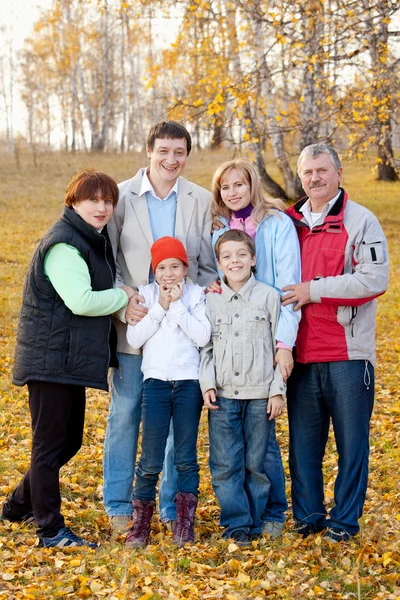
{"x": 167, "y": 161}
{"x": 235, "y": 261}
{"x": 235, "y": 190}
{"x": 96, "y": 211}
{"x": 320, "y": 180}
{"x": 170, "y": 271}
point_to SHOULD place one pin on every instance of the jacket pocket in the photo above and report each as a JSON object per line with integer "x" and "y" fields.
{"x": 373, "y": 252}
{"x": 70, "y": 350}
{"x": 221, "y": 325}
{"x": 346, "y": 315}
{"x": 258, "y": 321}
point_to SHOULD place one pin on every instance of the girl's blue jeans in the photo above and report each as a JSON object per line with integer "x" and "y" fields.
{"x": 182, "y": 402}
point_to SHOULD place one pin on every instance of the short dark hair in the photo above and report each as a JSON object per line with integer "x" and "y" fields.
{"x": 87, "y": 184}
{"x": 168, "y": 129}
{"x": 235, "y": 235}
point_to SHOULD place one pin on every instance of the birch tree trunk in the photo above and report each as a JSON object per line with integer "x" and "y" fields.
{"x": 266, "y": 87}
{"x": 272, "y": 186}
{"x": 378, "y": 37}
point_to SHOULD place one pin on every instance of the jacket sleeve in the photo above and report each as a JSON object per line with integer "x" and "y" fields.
{"x": 207, "y": 375}
{"x": 214, "y": 239}
{"x": 278, "y": 386}
{"x": 114, "y": 228}
{"x": 287, "y": 270}
{"x": 137, "y": 335}
{"x": 370, "y": 271}
{"x": 195, "y": 325}
{"x": 207, "y": 270}
{"x": 69, "y": 275}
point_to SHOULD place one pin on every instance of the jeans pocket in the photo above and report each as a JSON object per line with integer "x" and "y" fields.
{"x": 148, "y": 382}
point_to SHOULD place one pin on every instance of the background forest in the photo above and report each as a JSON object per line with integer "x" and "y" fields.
{"x": 96, "y": 74}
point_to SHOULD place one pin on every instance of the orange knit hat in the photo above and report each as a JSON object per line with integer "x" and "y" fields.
{"x": 167, "y": 247}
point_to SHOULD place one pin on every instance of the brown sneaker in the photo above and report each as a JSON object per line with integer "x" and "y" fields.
{"x": 186, "y": 504}
{"x": 139, "y": 533}
{"x": 119, "y": 523}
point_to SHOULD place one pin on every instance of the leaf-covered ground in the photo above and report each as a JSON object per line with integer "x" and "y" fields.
{"x": 368, "y": 567}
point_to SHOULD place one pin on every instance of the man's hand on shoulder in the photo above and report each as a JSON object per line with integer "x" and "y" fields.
{"x": 297, "y": 293}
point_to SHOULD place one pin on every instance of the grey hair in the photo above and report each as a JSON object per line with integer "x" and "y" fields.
{"x": 314, "y": 150}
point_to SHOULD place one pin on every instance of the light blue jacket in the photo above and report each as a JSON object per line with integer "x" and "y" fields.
{"x": 277, "y": 264}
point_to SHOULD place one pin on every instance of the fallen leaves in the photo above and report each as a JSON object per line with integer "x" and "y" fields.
{"x": 290, "y": 568}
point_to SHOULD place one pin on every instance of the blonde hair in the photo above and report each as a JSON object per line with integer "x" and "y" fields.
{"x": 262, "y": 206}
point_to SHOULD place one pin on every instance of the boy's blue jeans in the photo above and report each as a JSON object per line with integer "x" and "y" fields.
{"x": 162, "y": 400}
{"x": 120, "y": 446}
{"x": 239, "y": 433}
{"x": 317, "y": 393}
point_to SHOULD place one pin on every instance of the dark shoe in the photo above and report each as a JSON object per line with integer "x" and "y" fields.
{"x": 254, "y": 536}
{"x": 186, "y": 504}
{"x": 241, "y": 538}
{"x": 27, "y": 519}
{"x": 65, "y": 538}
{"x": 139, "y": 533}
{"x": 335, "y": 535}
{"x": 306, "y": 529}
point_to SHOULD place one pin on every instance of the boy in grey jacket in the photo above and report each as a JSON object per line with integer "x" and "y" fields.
{"x": 241, "y": 387}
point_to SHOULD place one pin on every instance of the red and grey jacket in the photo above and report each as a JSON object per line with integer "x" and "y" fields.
{"x": 346, "y": 261}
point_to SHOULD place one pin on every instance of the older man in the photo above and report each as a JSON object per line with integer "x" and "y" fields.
{"x": 344, "y": 268}
{"x": 156, "y": 202}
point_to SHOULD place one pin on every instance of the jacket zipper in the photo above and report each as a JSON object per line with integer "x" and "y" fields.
{"x": 354, "y": 311}
{"x": 110, "y": 317}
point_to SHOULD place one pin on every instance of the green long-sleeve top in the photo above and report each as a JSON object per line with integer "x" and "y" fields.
{"x": 70, "y": 277}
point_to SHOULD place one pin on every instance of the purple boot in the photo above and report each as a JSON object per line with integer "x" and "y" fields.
{"x": 186, "y": 504}
{"x": 139, "y": 533}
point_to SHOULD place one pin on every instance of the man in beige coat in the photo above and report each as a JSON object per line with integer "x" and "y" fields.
{"x": 156, "y": 202}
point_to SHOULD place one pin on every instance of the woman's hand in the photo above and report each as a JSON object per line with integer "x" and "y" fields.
{"x": 216, "y": 224}
{"x": 284, "y": 358}
{"x": 214, "y": 288}
{"x": 135, "y": 311}
{"x": 128, "y": 291}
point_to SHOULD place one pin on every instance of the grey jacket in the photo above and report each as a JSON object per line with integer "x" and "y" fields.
{"x": 238, "y": 361}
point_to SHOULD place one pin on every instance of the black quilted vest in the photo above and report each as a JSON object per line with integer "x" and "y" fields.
{"x": 53, "y": 344}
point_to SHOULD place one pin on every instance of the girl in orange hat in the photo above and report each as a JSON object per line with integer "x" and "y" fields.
{"x": 171, "y": 334}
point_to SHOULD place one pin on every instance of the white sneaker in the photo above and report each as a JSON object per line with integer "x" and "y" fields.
{"x": 170, "y": 525}
{"x": 272, "y": 528}
{"x": 119, "y": 523}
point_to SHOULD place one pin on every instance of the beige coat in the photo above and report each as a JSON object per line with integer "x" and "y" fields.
{"x": 131, "y": 238}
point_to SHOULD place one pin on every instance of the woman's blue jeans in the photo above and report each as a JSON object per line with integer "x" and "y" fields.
{"x": 162, "y": 400}
{"x": 317, "y": 393}
{"x": 239, "y": 434}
